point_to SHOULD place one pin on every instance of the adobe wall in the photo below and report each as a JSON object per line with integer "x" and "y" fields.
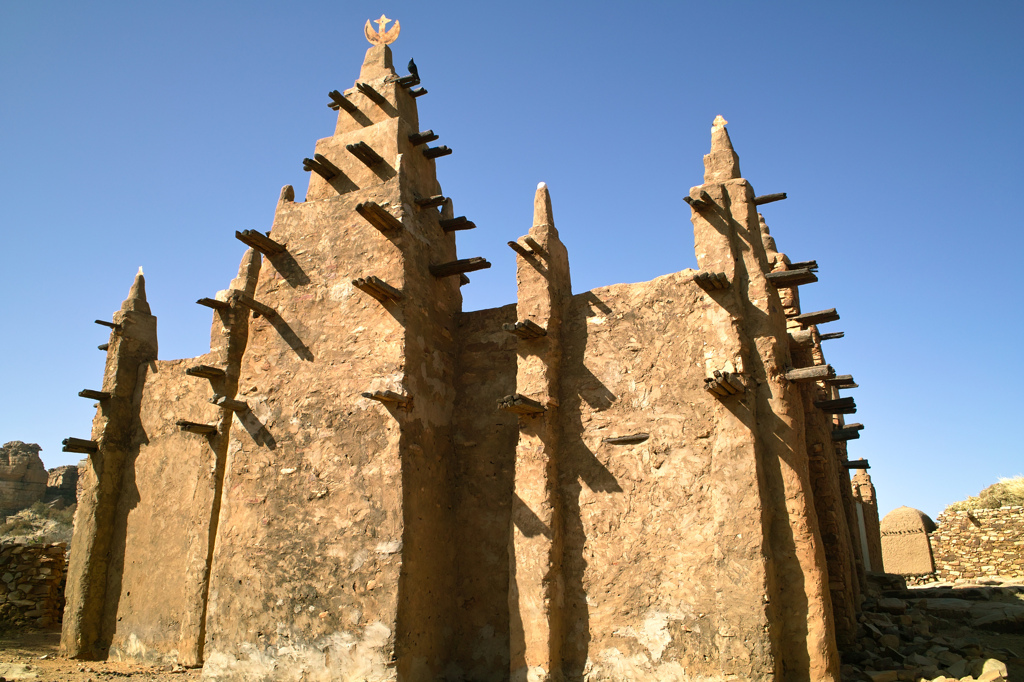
{"x": 32, "y": 584}
{"x": 979, "y": 543}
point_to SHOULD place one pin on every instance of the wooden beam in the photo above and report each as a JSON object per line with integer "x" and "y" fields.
{"x": 94, "y": 395}
{"x": 724, "y": 384}
{"x": 520, "y": 404}
{"x": 840, "y": 379}
{"x": 104, "y": 323}
{"x": 432, "y": 202}
{"x": 801, "y": 337}
{"x": 857, "y": 464}
{"x": 817, "y": 317}
{"x": 769, "y": 198}
{"x": 809, "y": 264}
{"x": 520, "y": 249}
{"x": 388, "y": 397}
{"x": 80, "y": 445}
{"x": 372, "y": 94}
{"x": 418, "y": 92}
{"x": 194, "y": 427}
{"x": 321, "y": 166}
{"x": 701, "y": 202}
{"x": 463, "y": 280}
{"x": 408, "y": 81}
{"x": 365, "y": 153}
{"x": 252, "y": 304}
{"x": 103, "y": 346}
{"x": 338, "y": 101}
{"x": 205, "y": 371}
{"x": 435, "y": 152}
{"x": 422, "y": 138}
{"x": 377, "y": 216}
{"x": 854, "y": 427}
{"x": 377, "y": 288}
{"x": 458, "y": 267}
{"x": 791, "y": 278}
{"x": 627, "y": 440}
{"x": 260, "y": 242}
{"x": 233, "y": 405}
{"x": 832, "y": 335}
{"x": 815, "y": 373}
{"x": 837, "y": 406}
{"x": 533, "y": 244}
{"x": 711, "y": 281}
{"x": 213, "y": 303}
{"x": 454, "y": 224}
{"x": 525, "y": 329}
{"x": 845, "y": 434}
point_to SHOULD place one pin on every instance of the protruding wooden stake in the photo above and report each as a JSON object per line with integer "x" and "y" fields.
{"x": 193, "y": 427}
{"x": 525, "y": 329}
{"x": 213, "y": 303}
{"x": 205, "y": 371}
{"x": 432, "y": 202}
{"x": 80, "y": 445}
{"x": 233, "y": 405}
{"x": 818, "y": 317}
{"x": 703, "y": 201}
{"x": 321, "y": 166}
{"x": 435, "y": 152}
{"x": 533, "y": 244}
{"x": 791, "y": 278}
{"x": 94, "y": 395}
{"x": 377, "y": 288}
{"x": 842, "y": 381}
{"x": 253, "y": 305}
{"x": 260, "y": 242}
{"x": 724, "y": 383}
{"x": 103, "y": 346}
{"x": 769, "y": 198}
{"x": 422, "y": 138}
{"x": 832, "y": 335}
{"x": 364, "y": 153}
{"x": 520, "y": 404}
{"x": 463, "y": 280}
{"x": 377, "y": 216}
{"x": 811, "y": 265}
{"x": 520, "y": 249}
{"x": 711, "y": 281}
{"x": 837, "y": 406}
{"x": 418, "y": 92}
{"x": 801, "y": 337}
{"x": 389, "y": 397}
{"x": 845, "y": 434}
{"x": 338, "y": 101}
{"x": 454, "y": 224}
{"x": 458, "y": 267}
{"x": 104, "y": 323}
{"x": 408, "y": 81}
{"x": 815, "y": 373}
{"x": 857, "y": 464}
{"x": 627, "y": 440}
{"x": 372, "y": 94}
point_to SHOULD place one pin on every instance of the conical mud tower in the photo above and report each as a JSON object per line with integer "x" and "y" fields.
{"x": 362, "y": 482}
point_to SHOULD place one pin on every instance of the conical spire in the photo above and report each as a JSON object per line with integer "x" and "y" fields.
{"x": 136, "y": 301}
{"x": 722, "y": 163}
{"x": 543, "y": 216}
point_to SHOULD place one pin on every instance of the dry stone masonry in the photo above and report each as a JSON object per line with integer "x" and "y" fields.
{"x": 360, "y": 481}
{"x": 979, "y": 543}
{"x": 31, "y": 584}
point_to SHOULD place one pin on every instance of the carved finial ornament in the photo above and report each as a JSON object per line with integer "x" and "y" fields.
{"x": 380, "y": 36}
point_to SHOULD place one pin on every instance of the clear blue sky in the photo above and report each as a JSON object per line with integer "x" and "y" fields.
{"x": 146, "y": 134}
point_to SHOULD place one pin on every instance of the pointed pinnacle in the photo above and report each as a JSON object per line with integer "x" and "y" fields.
{"x": 542, "y": 214}
{"x": 722, "y": 163}
{"x": 136, "y": 300}
{"x": 248, "y": 272}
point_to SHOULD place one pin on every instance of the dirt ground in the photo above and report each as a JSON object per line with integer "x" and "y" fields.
{"x": 32, "y": 655}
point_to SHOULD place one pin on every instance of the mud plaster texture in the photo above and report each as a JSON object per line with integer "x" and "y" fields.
{"x": 905, "y": 548}
{"x": 343, "y": 499}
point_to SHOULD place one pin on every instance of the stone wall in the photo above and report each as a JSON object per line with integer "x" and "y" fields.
{"x": 22, "y": 476}
{"x": 979, "y": 543}
{"x": 32, "y": 584}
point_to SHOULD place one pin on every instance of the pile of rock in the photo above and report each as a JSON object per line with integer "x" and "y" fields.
{"x": 32, "y": 584}
{"x": 898, "y": 637}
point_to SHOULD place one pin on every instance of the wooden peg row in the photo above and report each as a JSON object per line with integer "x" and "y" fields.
{"x": 711, "y": 281}
{"x": 378, "y": 288}
{"x": 422, "y": 137}
{"x": 525, "y": 329}
{"x": 520, "y": 404}
{"x": 338, "y": 101}
{"x": 260, "y": 242}
{"x": 724, "y": 384}
{"x": 80, "y": 445}
{"x": 376, "y": 215}
{"x": 700, "y": 203}
{"x": 321, "y": 166}
{"x": 365, "y": 153}
{"x": 252, "y": 304}
{"x": 458, "y": 267}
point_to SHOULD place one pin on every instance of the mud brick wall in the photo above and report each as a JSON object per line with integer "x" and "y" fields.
{"x": 32, "y": 584}
{"x": 979, "y": 543}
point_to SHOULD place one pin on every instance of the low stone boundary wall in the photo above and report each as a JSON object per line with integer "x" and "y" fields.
{"x": 32, "y": 584}
{"x": 979, "y": 543}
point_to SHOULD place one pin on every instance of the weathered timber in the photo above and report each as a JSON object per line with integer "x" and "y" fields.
{"x": 365, "y": 153}
{"x": 103, "y": 346}
{"x": 857, "y": 464}
{"x": 853, "y": 427}
{"x": 205, "y": 371}
{"x": 712, "y": 386}
{"x": 93, "y": 395}
{"x": 368, "y": 90}
{"x": 837, "y": 405}
{"x": 458, "y": 267}
{"x": 432, "y": 202}
{"x": 525, "y": 329}
{"x": 842, "y": 381}
{"x": 213, "y": 303}
{"x": 809, "y": 264}
{"x": 377, "y": 216}
{"x": 321, "y": 166}
{"x": 230, "y": 403}
{"x": 388, "y": 397}
{"x": 701, "y": 202}
{"x": 533, "y": 244}
{"x": 435, "y": 152}
{"x": 801, "y": 337}
{"x": 769, "y": 198}
{"x": 791, "y": 278}
{"x": 817, "y": 317}
{"x": 520, "y": 249}
{"x": 627, "y": 440}
{"x": 260, "y": 242}
{"x": 463, "y": 280}
{"x": 253, "y": 305}
{"x": 422, "y": 137}
{"x": 711, "y": 281}
{"x": 724, "y": 383}
{"x": 409, "y": 81}
{"x": 80, "y": 445}
{"x": 520, "y": 404}
{"x": 832, "y": 335}
{"x": 104, "y": 323}
{"x": 338, "y": 101}
{"x": 454, "y": 224}
{"x": 378, "y": 288}
{"x": 815, "y": 373}
{"x": 418, "y": 92}
{"x": 195, "y": 427}
{"x": 845, "y": 434}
